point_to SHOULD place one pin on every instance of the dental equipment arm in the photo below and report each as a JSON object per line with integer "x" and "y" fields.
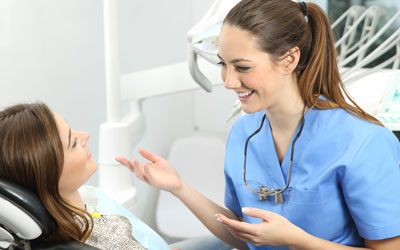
{"x": 393, "y": 41}
{"x": 199, "y": 34}
{"x": 354, "y": 15}
{"x": 372, "y": 14}
{"x": 112, "y": 67}
{"x": 370, "y": 41}
{"x": 354, "y": 12}
{"x": 369, "y": 29}
{"x": 115, "y": 136}
{"x": 371, "y": 21}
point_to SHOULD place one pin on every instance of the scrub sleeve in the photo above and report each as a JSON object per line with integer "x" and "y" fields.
{"x": 368, "y": 184}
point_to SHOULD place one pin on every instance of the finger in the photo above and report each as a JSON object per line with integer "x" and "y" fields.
{"x": 149, "y": 155}
{"x": 258, "y": 213}
{"x": 138, "y": 170}
{"x": 147, "y": 172}
{"x": 243, "y": 236}
{"x": 125, "y": 162}
{"x": 235, "y": 224}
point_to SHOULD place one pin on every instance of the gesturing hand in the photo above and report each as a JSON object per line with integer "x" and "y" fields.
{"x": 158, "y": 172}
{"x": 273, "y": 230}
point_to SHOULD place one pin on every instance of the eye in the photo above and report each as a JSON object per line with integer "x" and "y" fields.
{"x": 221, "y": 63}
{"x": 242, "y": 68}
{"x": 75, "y": 142}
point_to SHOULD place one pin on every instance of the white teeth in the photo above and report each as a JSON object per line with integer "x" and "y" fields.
{"x": 244, "y": 94}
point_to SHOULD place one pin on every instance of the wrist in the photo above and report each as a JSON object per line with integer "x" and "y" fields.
{"x": 179, "y": 190}
{"x": 301, "y": 240}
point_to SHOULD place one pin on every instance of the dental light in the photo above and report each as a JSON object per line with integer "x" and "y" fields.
{"x": 203, "y": 39}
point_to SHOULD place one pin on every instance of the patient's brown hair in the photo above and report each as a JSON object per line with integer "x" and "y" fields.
{"x": 31, "y": 154}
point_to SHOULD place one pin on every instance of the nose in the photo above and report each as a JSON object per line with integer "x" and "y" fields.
{"x": 84, "y": 137}
{"x": 230, "y": 78}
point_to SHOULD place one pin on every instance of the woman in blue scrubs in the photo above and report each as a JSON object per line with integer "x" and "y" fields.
{"x": 305, "y": 169}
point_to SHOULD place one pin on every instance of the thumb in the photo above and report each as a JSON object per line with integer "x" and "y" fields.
{"x": 257, "y": 213}
{"x": 149, "y": 155}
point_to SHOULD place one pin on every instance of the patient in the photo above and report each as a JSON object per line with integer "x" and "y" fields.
{"x": 40, "y": 151}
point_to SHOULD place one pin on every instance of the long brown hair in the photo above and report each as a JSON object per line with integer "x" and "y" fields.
{"x": 31, "y": 154}
{"x": 280, "y": 25}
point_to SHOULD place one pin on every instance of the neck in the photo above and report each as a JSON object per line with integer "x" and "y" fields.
{"x": 74, "y": 199}
{"x": 287, "y": 116}
{"x": 286, "y": 112}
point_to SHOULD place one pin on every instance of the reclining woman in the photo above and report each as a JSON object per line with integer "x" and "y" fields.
{"x": 39, "y": 150}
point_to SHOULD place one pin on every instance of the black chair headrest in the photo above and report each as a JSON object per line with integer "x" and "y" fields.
{"x": 28, "y": 202}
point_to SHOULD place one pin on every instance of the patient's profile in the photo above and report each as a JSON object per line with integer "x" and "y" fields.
{"x": 41, "y": 152}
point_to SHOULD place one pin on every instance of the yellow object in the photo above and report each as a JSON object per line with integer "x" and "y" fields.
{"x": 96, "y": 215}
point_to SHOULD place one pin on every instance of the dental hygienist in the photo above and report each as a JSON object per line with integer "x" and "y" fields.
{"x": 305, "y": 169}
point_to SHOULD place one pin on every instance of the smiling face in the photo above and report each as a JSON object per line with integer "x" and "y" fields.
{"x": 79, "y": 164}
{"x": 259, "y": 82}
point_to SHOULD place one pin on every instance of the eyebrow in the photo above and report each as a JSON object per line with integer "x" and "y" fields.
{"x": 69, "y": 137}
{"x": 236, "y": 60}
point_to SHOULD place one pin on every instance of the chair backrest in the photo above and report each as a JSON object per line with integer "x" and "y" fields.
{"x": 24, "y": 218}
{"x": 21, "y": 213}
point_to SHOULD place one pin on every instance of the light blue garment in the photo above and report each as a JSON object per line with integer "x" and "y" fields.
{"x": 144, "y": 234}
{"x": 345, "y": 183}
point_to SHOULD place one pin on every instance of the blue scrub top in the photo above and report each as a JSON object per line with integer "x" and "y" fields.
{"x": 345, "y": 183}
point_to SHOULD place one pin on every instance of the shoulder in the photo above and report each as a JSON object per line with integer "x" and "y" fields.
{"x": 339, "y": 127}
{"x": 339, "y": 121}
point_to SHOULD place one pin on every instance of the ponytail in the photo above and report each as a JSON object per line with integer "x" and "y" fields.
{"x": 321, "y": 75}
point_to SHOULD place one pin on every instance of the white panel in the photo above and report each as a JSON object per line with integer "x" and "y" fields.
{"x": 18, "y": 221}
{"x": 200, "y": 162}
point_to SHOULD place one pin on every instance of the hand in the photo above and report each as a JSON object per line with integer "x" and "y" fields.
{"x": 273, "y": 230}
{"x": 158, "y": 173}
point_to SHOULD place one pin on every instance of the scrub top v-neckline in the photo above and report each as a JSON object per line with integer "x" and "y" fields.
{"x": 277, "y": 171}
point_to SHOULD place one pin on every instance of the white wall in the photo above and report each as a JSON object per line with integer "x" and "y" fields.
{"x": 53, "y": 51}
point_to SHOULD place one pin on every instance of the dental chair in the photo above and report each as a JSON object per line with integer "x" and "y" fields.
{"x": 355, "y": 16}
{"x": 23, "y": 218}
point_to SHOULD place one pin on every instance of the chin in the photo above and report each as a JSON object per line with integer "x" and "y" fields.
{"x": 92, "y": 165}
{"x": 250, "y": 110}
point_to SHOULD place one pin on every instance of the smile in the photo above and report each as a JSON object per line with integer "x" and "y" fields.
{"x": 244, "y": 96}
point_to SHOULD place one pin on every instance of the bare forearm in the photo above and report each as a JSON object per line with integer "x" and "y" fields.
{"x": 309, "y": 242}
{"x": 205, "y": 210}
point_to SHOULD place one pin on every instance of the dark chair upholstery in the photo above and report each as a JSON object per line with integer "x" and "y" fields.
{"x": 23, "y": 218}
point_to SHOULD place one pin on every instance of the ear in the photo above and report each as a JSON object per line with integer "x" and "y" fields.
{"x": 290, "y": 60}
